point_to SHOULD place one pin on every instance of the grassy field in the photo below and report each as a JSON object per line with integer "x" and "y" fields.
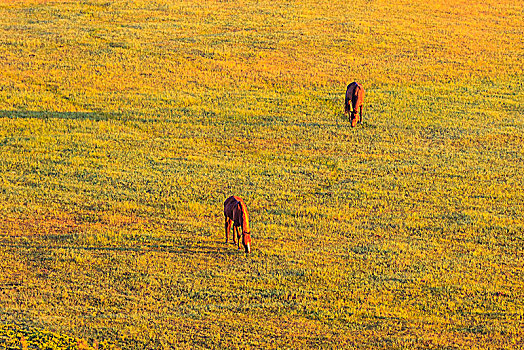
{"x": 124, "y": 125}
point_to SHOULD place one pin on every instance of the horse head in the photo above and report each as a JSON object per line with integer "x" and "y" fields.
{"x": 353, "y": 118}
{"x": 246, "y": 241}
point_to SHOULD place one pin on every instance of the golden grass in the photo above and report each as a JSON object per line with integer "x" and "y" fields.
{"x": 124, "y": 125}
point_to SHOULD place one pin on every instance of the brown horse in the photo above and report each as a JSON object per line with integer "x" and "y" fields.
{"x": 354, "y": 100}
{"x": 235, "y": 212}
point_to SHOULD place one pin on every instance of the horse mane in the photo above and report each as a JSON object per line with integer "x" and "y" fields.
{"x": 245, "y": 217}
{"x": 354, "y": 98}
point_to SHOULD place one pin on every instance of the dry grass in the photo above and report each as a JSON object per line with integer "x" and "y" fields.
{"x": 125, "y": 125}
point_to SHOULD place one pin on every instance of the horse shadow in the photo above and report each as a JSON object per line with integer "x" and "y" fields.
{"x": 176, "y": 249}
{"x": 94, "y": 116}
{"x": 44, "y": 115}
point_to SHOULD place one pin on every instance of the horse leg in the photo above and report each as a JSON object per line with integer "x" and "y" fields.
{"x": 238, "y": 237}
{"x": 228, "y": 228}
{"x": 360, "y": 121}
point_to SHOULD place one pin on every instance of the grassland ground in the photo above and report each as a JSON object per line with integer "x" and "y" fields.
{"x": 125, "y": 125}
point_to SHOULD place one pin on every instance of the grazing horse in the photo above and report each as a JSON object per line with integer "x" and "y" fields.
{"x": 235, "y": 212}
{"x": 354, "y": 100}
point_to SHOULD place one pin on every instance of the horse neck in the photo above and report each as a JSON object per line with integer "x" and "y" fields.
{"x": 245, "y": 218}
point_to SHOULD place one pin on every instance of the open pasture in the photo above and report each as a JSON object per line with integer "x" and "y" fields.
{"x": 124, "y": 125}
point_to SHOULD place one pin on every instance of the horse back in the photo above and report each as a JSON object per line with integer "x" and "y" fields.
{"x": 358, "y": 96}
{"x": 354, "y": 95}
{"x": 235, "y": 209}
{"x": 231, "y": 208}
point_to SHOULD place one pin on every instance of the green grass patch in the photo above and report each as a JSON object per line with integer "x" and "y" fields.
{"x": 124, "y": 127}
